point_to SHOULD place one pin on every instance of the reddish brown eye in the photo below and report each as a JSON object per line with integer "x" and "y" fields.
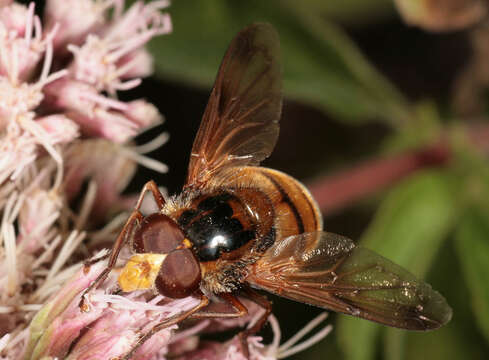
{"x": 179, "y": 275}
{"x": 157, "y": 234}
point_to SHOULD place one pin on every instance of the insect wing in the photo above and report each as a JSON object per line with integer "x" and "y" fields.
{"x": 240, "y": 124}
{"x": 329, "y": 271}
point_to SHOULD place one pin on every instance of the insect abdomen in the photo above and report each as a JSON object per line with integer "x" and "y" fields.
{"x": 294, "y": 209}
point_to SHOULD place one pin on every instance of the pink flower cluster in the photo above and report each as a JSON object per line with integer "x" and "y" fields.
{"x": 65, "y": 158}
{"x": 53, "y": 81}
{"x": 61, "y": 126}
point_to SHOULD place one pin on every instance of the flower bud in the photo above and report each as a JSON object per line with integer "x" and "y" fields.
{"x": 442, "y": 15}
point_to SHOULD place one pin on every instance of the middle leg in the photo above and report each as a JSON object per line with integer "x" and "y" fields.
{"x": 204, "y": 301}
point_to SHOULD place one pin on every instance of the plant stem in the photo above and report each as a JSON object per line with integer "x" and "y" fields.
{"x": 338, "y": 191}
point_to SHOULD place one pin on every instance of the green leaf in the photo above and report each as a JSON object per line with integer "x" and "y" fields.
{"x": 460, "y": 338}
{"x": 357, "y": 338}
{"x": 322, "y": 67}
{"x": 472, "y": 239}
{"x": 394, "y": 344}
{"x": 416, "y": 215}
{"x": 353, "y": 11}
{"x": 447, "y": 343}
{"x": 408, "y": 229}
{"x": 425, "y": 129}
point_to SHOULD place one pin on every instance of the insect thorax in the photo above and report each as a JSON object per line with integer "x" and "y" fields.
{"x": 228, "y": 229}
{"x": 223, "y": 224}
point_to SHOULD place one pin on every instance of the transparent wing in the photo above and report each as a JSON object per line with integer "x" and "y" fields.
{"x": 329, "y": 271}
{"x": 240, "y": 124}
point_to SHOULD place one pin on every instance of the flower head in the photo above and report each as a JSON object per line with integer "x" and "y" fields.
{"x": 48, "y": 98}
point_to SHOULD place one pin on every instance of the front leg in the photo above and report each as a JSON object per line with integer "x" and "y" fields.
{"x": 158, "y": 196}
{"x": 122, "y": 239}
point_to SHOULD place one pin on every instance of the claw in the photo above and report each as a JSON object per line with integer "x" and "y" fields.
{"x": 83, "y": 304}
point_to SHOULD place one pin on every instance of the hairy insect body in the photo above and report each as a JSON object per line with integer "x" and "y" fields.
{"x": 239, "y": 218}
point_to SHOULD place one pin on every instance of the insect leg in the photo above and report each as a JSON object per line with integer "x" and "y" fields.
{"x": 204, "y": 301}
{"x": 265, "y": 304}
{"x": 136, "y": 216}
{"x": 241, "y": 310}
{"x": 114, "y": 253}
{"x": 159, "y": 198}
{"x": 90, "y": 262}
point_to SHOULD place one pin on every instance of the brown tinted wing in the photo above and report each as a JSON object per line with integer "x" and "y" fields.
{"x": 329, "y": 271}
{"x": 240, "y": 123}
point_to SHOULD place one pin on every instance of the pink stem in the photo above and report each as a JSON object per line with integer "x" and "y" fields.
{"x": 340, "y": 190}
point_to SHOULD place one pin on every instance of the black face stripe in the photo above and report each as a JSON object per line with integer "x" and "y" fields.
{"x": 286, "y": 199}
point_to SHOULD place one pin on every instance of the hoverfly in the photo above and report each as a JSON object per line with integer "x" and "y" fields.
{"x": 236, "y": 226}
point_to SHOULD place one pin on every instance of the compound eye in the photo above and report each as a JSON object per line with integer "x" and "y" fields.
{"x": 179, "y": 274}
{"x": 157, "y": 234}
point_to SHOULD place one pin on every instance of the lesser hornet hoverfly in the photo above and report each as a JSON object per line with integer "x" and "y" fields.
{"x": 236, "y": 226}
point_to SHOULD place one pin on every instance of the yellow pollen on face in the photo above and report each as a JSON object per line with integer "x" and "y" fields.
{"x": 140, "y": 271}
{"x": 187, "y": 244}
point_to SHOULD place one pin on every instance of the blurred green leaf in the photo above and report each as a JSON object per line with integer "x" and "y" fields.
{"x": 416, "y": 215}
{"x": 425, "y": 128}
{"x": 408, "y": 229}
{"x": 353, "y": 11}
{"x": 357, "y": 338}
{"x": 447, "y": 343}
{"x": 471, "y": 166}
{"x": 472, "y": 239}
{"x": 395, "y": 344}
{"x": 322, "y": 67}
{"x": 459, "y": 339}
